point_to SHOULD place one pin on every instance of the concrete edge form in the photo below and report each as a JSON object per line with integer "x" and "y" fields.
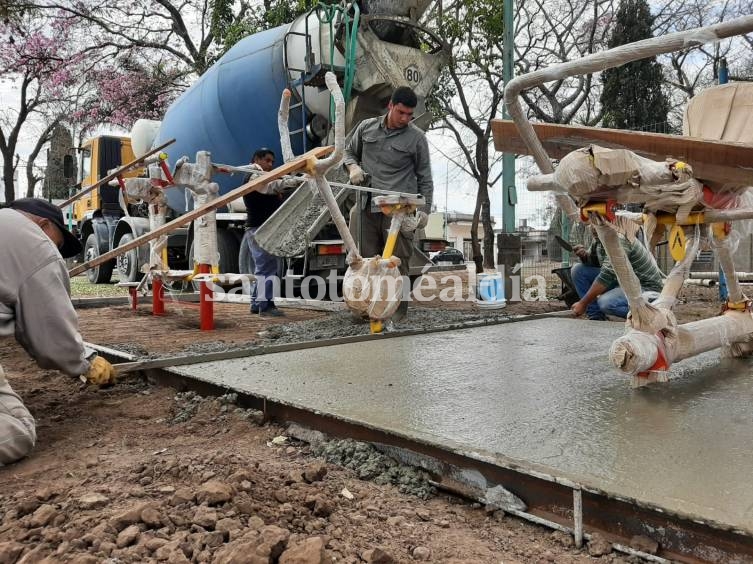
{"x": 549, "y": 499}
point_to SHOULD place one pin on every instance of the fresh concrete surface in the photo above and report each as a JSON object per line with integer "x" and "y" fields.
{"x": 543, "y": 394}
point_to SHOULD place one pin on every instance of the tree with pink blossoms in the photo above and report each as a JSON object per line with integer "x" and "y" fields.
{"x": 39, "y": 57}
{"x": 121, "y": 94}
{"x": 61, "y": 78}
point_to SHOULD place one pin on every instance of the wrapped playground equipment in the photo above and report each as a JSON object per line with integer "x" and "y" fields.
{"x": 701, "y": 194}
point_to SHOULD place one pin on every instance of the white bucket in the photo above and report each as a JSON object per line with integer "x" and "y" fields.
{"x": 491, "y": 291}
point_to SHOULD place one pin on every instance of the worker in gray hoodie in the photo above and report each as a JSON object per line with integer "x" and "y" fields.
{"x": 35, "y": 307}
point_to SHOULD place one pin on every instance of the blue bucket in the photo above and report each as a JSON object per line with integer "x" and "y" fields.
{"x": 491, "y": 290}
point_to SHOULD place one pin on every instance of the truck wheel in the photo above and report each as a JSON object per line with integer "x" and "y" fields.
{"x": 99, "y": 274}
{"x": 128, "y": 263}
{"x": 228, "y": 247}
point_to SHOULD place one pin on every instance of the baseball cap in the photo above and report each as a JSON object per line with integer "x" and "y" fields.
{"x": 42, "y": 208}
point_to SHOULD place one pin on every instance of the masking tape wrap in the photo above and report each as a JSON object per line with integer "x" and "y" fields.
{"x": 634, "y": 352}
{"x": 728, "y": 331}
{"x": 196, "y": 178}
{"x": 375, "y": 288}
{"x": 725, "y": 248}
{"x": 680, "y": 271}
{"x": 205, "y": 234}
{"x": 597, "y": 173}
{"x": 156, "y": 246}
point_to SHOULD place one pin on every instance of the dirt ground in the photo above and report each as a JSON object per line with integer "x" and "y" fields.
{"x": 137, "y": 473}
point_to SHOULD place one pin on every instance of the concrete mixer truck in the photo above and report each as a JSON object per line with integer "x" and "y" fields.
{"x": 231, "y": 110}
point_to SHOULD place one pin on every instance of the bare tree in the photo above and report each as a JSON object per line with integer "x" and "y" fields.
{"x": 38, "y": 59}
{"x": 549, "y": 32}
{"x": 545, "y": 33}
{"x": 33, "y": 175}
{"x": 188, "y": 33}
{"x": 686, "y": 72}
{"x": 471, "y": 99}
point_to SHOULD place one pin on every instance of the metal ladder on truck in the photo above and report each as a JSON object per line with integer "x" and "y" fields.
{"x": 337, "y": 18}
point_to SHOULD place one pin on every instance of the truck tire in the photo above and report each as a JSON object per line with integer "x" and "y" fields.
{"x": 128, "y": 263}
{"x": 99, "y": 274}
{"x": 228, "y": 247}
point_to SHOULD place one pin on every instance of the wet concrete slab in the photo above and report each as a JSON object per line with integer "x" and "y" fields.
{"x": 543, "y": 394}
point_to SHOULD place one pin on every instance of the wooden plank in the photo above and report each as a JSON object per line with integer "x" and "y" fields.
{"x": 713, "y": 161}
{"x": 123, "y": 169}
{"x": 256, "y": 183}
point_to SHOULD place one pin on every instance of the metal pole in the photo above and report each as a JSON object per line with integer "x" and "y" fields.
{"x": 578, "y": 517}
{"x": 509, "y": 194}
{"x": 446, "y": 197}
{"x": 723, "y": 73}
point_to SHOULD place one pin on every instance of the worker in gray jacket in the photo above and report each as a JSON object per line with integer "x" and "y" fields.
{"x": 36, "y": 308}
{"x": 395, "y": 153}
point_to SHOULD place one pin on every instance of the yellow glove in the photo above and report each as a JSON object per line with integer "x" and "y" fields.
{"x": 100, "y": 372}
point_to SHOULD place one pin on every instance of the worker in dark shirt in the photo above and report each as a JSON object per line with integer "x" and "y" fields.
{"x": 260, "y": 205}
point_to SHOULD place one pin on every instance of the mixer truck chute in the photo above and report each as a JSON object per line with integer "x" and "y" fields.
{"x": 231, "y": 110}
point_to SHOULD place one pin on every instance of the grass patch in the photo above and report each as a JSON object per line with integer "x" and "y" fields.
{"x": 82, "y": 288}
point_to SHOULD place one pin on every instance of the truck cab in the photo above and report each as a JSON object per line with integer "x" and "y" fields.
{"x": 102, "y": 219}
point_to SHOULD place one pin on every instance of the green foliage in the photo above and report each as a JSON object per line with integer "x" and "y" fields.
{"x": 222, "y": 17}
{"x": 439, "y": 96}
{"x": 633, "y": 95}
{"x": 260, "y": 18}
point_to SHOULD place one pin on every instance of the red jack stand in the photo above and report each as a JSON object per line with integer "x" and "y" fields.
{"x": 158, "y": 297}
{"x": 134, "y": 297}
{"x": 206, "y": 304}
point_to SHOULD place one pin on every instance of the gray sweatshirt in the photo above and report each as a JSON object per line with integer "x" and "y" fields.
{"x": 35, "y": 303}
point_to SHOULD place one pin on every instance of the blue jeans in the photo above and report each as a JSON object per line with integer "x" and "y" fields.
{"x": 612, "y": 302}
{"x": 266, "y": 268}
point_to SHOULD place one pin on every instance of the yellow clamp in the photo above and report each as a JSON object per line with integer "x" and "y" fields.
{"x": 720, "y": 230}
{"x": 163, "y": 156}
{"x": 191, "y": 276}
{"x": 215, "y": 270}
{"x": 737, "y": 306}
{"x": 680, "y": 166}
{"x": 694, "y": 218}
{"x": 604, "y": 209}
{"x": 310, "y": 167}
{"x": 389, "y": 209}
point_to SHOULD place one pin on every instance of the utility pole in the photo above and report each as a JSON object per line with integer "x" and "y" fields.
{"x": 509, "y": 194}
{"x": 723, "y": 74}
{"x": 446, "y": 194}
{"x": 508, "y": 244}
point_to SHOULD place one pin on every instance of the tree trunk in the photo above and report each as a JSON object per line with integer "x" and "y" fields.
{"x": 486, "y": 221}
{"x": 31, "y": 180}
{"x": 477, "y": 256}
{"x": 42, "y": 140}
{"x": 8, "y": 169}
{"x": 483, "y": 205}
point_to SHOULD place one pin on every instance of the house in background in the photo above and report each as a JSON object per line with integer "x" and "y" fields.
{"x": 455, "y": 228}
{"x": 534, "y": 243}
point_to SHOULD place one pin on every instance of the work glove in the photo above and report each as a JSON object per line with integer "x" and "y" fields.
{"x": 100, "y": 372}
{"x": 356, "y": 175}
{"x": 412, "y": 222}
